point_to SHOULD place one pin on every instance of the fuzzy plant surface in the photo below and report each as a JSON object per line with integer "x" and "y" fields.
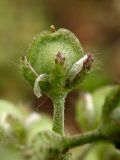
{"x": 55, "y": 65}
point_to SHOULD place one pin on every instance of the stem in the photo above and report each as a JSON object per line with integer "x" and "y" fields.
{"x": 58, "y": 117}
{"x": 78, "y": 140}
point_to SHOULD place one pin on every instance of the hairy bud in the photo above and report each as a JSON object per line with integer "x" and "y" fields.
{"x": 59, "y": 56}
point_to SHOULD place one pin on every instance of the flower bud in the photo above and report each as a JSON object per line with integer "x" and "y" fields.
{"x": 56, "y": 55}
{"x": 110, "y": 122}
{"x": 89, "y": 108}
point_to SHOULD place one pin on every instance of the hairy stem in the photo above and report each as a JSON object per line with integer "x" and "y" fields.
{"x": 78, "y": 140}
{"x": 58, "y": 117}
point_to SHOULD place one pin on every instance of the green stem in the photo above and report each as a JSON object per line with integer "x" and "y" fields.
{"x": 58, "y": 117}
{"x": 78, "y": 140}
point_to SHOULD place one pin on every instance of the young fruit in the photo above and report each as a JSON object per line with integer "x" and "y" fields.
{"x": 55, "y": 63}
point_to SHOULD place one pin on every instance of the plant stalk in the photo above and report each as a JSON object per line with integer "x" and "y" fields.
{"x": 78, "y": 140}
{"x": 58, "y": 116}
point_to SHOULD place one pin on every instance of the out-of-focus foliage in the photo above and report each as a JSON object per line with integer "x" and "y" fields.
{"x": 98, "y": 151}
{"x": 18, "y": 128}
{"x": 19, "y": 21}
{"x": 88, "y": 116}
{"x": 89, "y": 108}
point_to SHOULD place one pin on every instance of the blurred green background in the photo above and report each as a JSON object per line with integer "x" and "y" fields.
{"x": 95, "y": 23}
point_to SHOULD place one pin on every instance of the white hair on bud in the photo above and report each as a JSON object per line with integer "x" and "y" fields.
{"x": 29, "y": 65}
{"x": 37, "y": 90}
{"x": 77, "y": 67}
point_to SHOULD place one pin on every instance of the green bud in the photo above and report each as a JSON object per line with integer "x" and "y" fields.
{"x": 89, "y": 108}
{"x": 110, "y": 122}
{"x": 55, "y": 63}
